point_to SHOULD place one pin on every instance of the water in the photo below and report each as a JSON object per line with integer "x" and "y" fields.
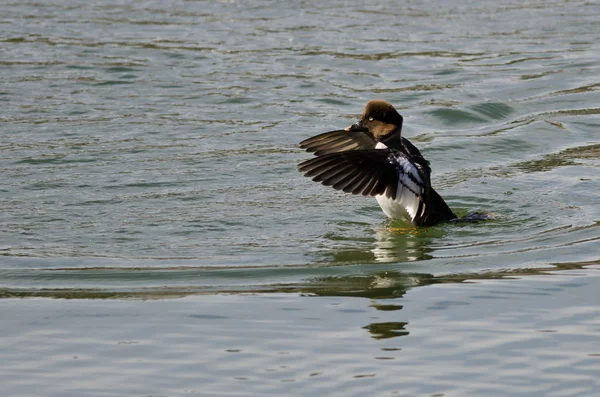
{"x": 530, "y": 337}
{"x": 148, "y": 152}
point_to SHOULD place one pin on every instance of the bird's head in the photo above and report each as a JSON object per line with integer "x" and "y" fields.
{"x": 380, "y": 119}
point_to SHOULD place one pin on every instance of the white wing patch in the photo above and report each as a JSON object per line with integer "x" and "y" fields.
{"x": 410, "y": 190}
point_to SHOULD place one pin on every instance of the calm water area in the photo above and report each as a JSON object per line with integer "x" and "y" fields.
{"x": 157, "y": 240}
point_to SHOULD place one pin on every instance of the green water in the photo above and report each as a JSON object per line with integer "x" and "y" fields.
{"x": 148, "y": 156}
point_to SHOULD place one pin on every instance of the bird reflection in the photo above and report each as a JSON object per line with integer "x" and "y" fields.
{"x": 400, "y": 244}
{"x": 379, "y": 285}
{"x": 386, "y": 330}
{"x": 376, "y": 286}
{"x": 391, "y": 242}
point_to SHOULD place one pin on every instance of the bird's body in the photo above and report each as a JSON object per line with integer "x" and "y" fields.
{"x": 398, "y": 208}
{"x": 373, "y": 159}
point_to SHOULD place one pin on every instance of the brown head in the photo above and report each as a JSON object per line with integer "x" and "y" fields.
{"x": 380, "y": 119}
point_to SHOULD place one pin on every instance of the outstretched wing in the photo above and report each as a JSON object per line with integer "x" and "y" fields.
{"x": 366, "y": 172}
{"x": 338, "y": 141}
{"x": 372, "y": 172}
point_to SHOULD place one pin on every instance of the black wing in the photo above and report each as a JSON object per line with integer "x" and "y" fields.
{"x": 347, "y": 161}
{"x": 342, "y": 140}
{"x": 338, "y": 141}
{"x": 367, "y": 172}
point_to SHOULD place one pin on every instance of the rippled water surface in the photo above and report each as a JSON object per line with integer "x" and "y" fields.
{"x": 148, "y": 150}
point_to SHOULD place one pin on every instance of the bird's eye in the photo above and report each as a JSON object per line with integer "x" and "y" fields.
{"x": 370, "y": 118}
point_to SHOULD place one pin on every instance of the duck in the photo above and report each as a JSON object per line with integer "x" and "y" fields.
{"x": 372, "y": 158}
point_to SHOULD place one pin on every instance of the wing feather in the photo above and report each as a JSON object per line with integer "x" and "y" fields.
{"x": 338, "y": 141}
{"x": 373, "y": 172}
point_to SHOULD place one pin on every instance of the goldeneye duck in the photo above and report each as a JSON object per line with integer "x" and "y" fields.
{"x": 372, "y": 158}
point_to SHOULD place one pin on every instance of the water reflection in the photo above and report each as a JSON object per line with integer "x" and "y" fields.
{"x": 386, "y": 330}
{"x": 370, "y": 281}
{"x": 394, "y": 284}
{"x": 561, "y": 159}
{"x": 386, "y": 308}
{"x": 394, "y": 241}
{"x": 404, "y": 243}
{"x": 381, "y": 285}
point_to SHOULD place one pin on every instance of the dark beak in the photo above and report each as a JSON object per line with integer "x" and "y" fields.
{"x": 358, "y": 126}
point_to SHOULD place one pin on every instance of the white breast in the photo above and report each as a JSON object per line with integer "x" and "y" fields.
{"x": 406, "y": 204}
{"x": 393, "y": 208}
